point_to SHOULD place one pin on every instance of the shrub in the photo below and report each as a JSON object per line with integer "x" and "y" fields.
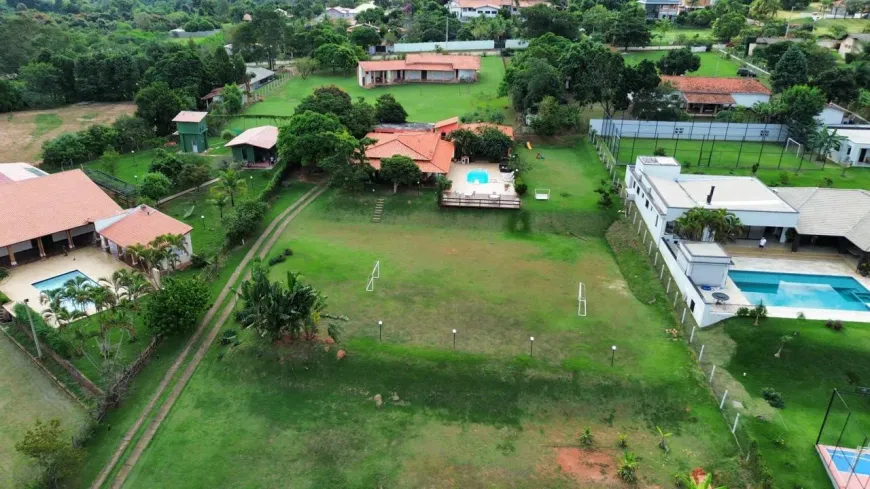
{"x": 4, "y": 272}
{"x": 622, "y": 440}
{"x": 199, "y": 261}
{"x": 281, "y": 257}
{"x": 155, "y": 186}
{"x": 586, "y": 438}
{"x": 227, "y": 135}
{"x": 834, "y": 324}
{"x": 826, "y": 182}
{"x": 3, "y": 298}
{"x": 48, "y": 335}
{"x": 743, "y": 312}
{"x": 244, "y": 221}
{"x": 521, "y": 187}
{"x": 660, "y": 152}
{"x": 628, "y": 468}
{"x": 176, "y": 307}
{"x": 863, "y": 269}
{"x": 783, "y": 178}
{"x": 773, "y": 398}
{"x": 229, "y": 337}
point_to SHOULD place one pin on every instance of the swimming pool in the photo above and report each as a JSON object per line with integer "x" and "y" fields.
{"x": 58, "y": 282}
{"x": 800, "y": 290}
{"x": 477, "y": 175}
{"x": 846, "y": 460}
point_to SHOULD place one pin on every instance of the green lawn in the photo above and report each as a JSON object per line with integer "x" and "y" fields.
{"x": 678, "y": 35}
{"x": 701, "y": 155}
{"x": 809, "y": 368}
{"x": 712, "y": 64}
{"x": 486, "y": 415}
{"x": 46, "y": 123}
{"x": 131, "y": 166}
{"x": 423, "y": 102}
{"x": 27, "y": 394}
{"x": 823, "y": 26}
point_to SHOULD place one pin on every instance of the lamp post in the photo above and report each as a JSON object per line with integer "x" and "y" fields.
{"x": 380, "y": 331}
{"x": 612, "y": 354}
{"x": 33, "y": 329}
{"x": 202, "y": 217}
{"x": 454, "y": 339}
{"x": 531, "y": 346}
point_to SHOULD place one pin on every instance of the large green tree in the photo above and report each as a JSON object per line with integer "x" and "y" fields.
{"x": 678, "y": 62}
{"x": 630, "y": 28}
{"x": 310, "y": 137}
{"x": 764, "y": 9}
{"x": 838, "y": 84}
{"x": 51, "y": 450}
{"x": 389, "y": 110}
{"x": 157, "y": 104}
{"x": 175, "y": 308}
{"x": 400, "y": 170}
{"x": 542, "y": 18}
{"x": 728, "y": 26}
{"x": 339, "y": 57}
{"x": 798, "y": 107}
{"x": 790, "y": 70}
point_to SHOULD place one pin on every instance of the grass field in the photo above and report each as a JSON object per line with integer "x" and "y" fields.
{"x": 721, "y": 154}
{"x": 27, "y": 394}
{"x": 486, "y": 415}
{"x": 675, "y": 35}
{"x": 712, "y": 64}
{"x": 810, "y": 367}
{"x": 423, "y": 102}
{"x": 823, "y": 26}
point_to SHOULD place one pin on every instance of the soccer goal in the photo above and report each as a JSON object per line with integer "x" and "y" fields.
{"x": 581, "y": 300}
{"x": 376, "y": 273}
{"x": 793, "y": 146}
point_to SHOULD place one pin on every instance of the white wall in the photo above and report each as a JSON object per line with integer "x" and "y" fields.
{"x": 440, "y": 75}
{"x": 831, "y": 116}
{"x": 850, "y": 157}
{"x": 749, "y": 99}
{"x": 420, "y": 47}
{"x": 467, "y": 75}
{"x": 22, "y": 246}
{"x": 516, "y": 44}
{"x": 413, "y": 75}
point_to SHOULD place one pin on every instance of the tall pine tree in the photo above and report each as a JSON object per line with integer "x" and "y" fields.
{"x": 790, "y": 70}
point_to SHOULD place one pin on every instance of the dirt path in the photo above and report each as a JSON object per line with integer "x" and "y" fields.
{"x": 279, "y": 222}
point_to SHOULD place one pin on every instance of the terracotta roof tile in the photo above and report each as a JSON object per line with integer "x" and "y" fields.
{"x": 431, "y": 153}
{"x": 142, "y": 225}
{"x": 709, "y": 98}
{"x": 703, "y": 84}
{"x": 50, "y": 204}
{"x": 480, "y": 126}
{"x": 434, "y": 62}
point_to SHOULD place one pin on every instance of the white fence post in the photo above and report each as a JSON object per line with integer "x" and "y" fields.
{"x": 683, "y": 320}
{"x": 644, "y": 237}
{"x": 662, "y": 274}
{"x": 736, "y": 419}
{"x": 668, "y": 290}
{"x": 656, "y": 262}
{"x": 692, "y": 336}
{"x": 712, "y": 372}
{"x": 638, "y": 226}
{"x": 722, "y": 404}
{"x": 651, "y": 243}
{"x": 634, "y": 220}
{"x": 676, "y": 296}
{"x": 701, "y": 353}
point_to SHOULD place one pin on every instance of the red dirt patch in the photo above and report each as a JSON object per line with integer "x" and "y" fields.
{"x": 587, "y": 465}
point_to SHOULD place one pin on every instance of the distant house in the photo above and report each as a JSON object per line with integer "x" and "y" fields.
{"x": 855, "y": 150}
{"x": 255, "y": 146}
{"x": 215, "y": 96}
{"x": 832, "y": 216}
{"x": 416, "y": 68}
{"x": 661, "y": 9}
{"x": 192, "y": 131}
{"x": 709, "y": 95}
{"x": 259, "y": 77}
{"x": 247, "y": 18}
{"x": 764, "y": 42}
{"x": 853, "y": 44}
{"x": 466, "y": 10}
{"x": 335, "y": 13}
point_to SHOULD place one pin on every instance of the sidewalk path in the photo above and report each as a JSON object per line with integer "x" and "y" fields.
{"x": 279, "y": 222}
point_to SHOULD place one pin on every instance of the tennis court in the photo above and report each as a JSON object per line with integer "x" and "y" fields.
{"x": 719, "y": 154}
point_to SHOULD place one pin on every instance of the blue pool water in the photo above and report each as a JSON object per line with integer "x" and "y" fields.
{"x": 478, "y": 176}
{"x": 844, "y": 460}
{"x": 58, "y": 281}
{"x": 804, "y": 291}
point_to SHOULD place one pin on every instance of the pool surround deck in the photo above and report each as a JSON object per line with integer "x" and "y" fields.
{"x": 842, "y": 480}
{"x": 92, "y": 262}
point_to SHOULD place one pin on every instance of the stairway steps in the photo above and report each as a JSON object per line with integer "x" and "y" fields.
{"x": 378, "y": 212}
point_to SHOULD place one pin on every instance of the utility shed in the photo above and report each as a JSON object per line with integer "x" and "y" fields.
{"x": 192, "y": 131}
{"x": 704, "y": 263}
{"x": 255, "y": 145}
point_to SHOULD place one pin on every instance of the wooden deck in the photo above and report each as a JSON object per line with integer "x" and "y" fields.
{"x": 500, "y": 203}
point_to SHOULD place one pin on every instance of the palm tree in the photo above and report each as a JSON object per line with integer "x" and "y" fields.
{"x": 701, "y": 224}
{"x": 175, "y": 244}
{"x": 724, "y": 226}
{"x": 220, "y": 201}
{"x": 692, "y": 224}
{"x": 784, "y": 340}
{"x": 138, "y": 252}
{"x": 135, "y": 287}
{"x": 705, "y": 481}
{"x": 824, "y": 141}
{"x": 56, "y": 311}
{"x": 78, "y": 290}
{"x": 231, "y": 183}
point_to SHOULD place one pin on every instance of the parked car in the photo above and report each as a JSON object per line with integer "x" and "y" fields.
{"x": 746, "y": 72}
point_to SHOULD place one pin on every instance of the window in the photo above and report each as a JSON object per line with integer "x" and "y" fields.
{"x": 848, "y": 150}
{"x": 669, "y": 227}
{"x": 646, "y": 203}
{"x": 678, "y": 130}
{"x": 692, "y": 305}
{"x": 657, "y": 221}
{"x": 764, "y": 133}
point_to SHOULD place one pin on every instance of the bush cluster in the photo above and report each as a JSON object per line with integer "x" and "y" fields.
{"x": 91, "y": 143}
{"x": 834, "y": 324}
{"x": 773, "y": 397}
{"x": 281, "y": 257}
{"x": 47, "y": 335}
{"x": 244, "y": 221}
{"x": 184, "y": 171}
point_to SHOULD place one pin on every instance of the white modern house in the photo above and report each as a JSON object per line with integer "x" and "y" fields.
{"x": 466, "y": 10}
{"x": 662, "y": 194}
{"x": 855, "y": 150}
{"x": 661, "y": 9}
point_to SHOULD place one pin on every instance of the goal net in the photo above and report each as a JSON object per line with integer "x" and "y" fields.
{"x": 376, "y": 273}
{"x": 581, "y": 300}
{"x": 795, "y": 147}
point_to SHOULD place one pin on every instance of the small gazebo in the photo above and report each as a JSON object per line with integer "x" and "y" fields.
{"x": 256, "y": 146}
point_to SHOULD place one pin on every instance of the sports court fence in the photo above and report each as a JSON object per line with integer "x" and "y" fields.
{"x": 843, "y": 443}
{"x": 705, "y": 144}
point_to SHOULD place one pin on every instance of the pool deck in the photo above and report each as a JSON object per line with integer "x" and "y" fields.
{"x": 496, "y": 185}
{"x": 90, "y": 261}
{"x": 842, "y": 480}
{"x": 805, "y": 264}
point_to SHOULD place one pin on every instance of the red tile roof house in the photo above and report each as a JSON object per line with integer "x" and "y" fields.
{"x": 706, "y": 96}
{"x": 429, "y": 151}
{"x": 419, "y": 68}
{"x": 53, "y": 213}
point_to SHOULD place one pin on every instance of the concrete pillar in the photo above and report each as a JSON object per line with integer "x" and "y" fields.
{"x": 102, "y": 242}
{"x": 11, "y": 256}
{"x": 782, "y": 235}
{"x": 69, "y": 240}
{"x": 796, "y": 242}
{"x": 41, "y": 248}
